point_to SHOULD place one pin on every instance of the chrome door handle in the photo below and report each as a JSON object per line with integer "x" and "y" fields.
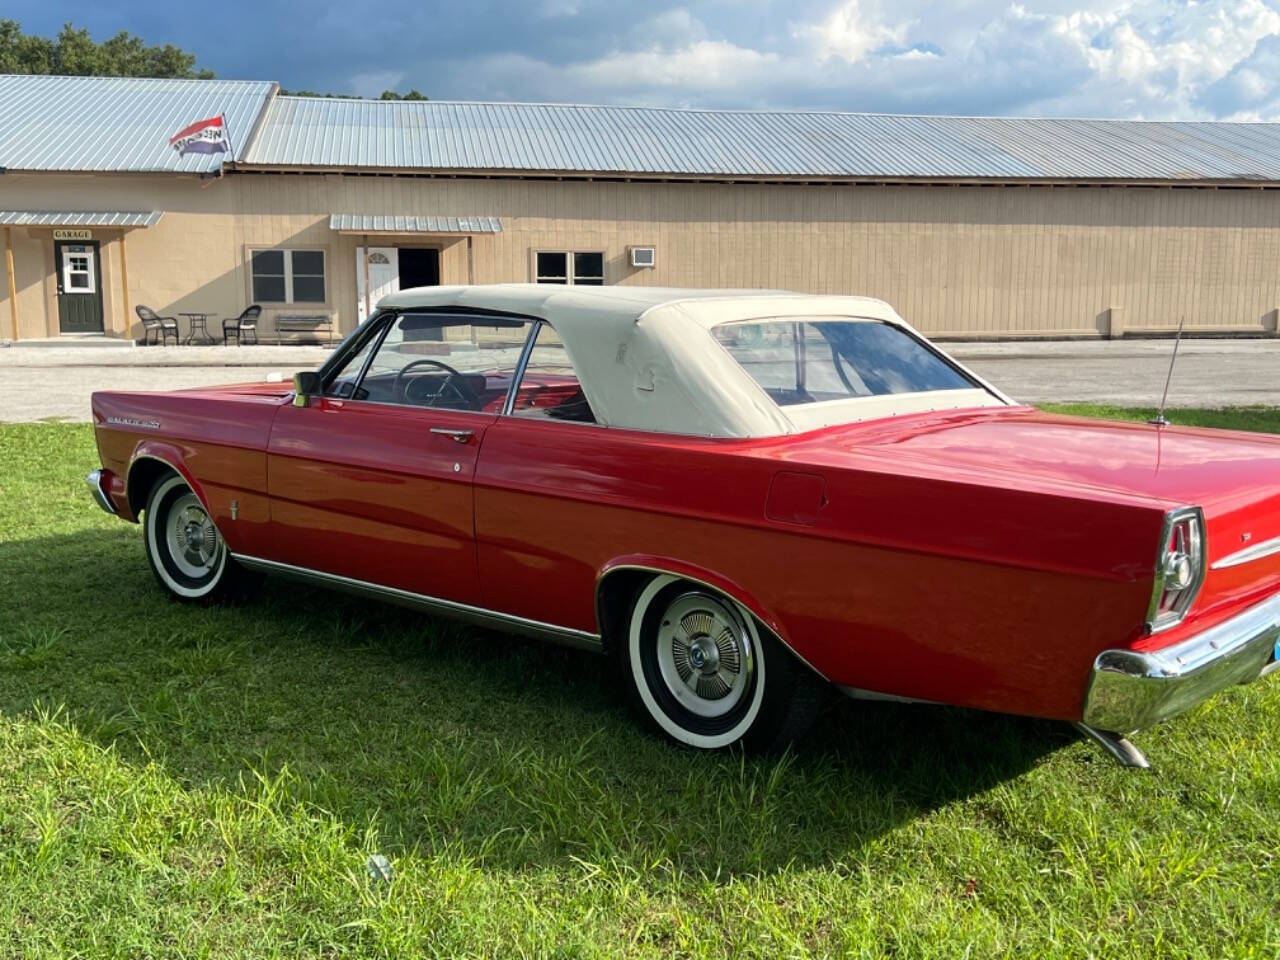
{"x": 458, "y": 436}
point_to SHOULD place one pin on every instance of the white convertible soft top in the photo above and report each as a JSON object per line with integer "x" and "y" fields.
{"x": 648, "y": 361}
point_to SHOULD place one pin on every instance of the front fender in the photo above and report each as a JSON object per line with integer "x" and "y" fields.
{"x": 142, "y": 463}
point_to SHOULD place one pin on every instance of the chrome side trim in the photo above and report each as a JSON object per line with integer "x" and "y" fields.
{"x": 94, "y": 479}
{"x": 858, "y": 693}
{"x": 510, "y": 402}
{"x": 1130, "y": 690}
{"x": 1259, "y": 550}
{"x": 480, "y": 616}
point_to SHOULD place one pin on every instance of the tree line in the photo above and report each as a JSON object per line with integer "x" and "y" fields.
{"x": 73, "y": 52}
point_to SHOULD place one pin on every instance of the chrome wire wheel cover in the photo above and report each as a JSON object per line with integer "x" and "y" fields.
{"x": 191, "y": 538}
{"x": 705, "y": 654}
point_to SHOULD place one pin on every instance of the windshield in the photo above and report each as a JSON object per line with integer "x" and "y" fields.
{"x": 811, "y": 361}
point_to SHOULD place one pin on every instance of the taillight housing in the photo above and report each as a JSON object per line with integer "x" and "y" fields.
{"x": 1179, "y": 568}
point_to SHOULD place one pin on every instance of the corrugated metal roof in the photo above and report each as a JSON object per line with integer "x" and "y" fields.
{"x": 123, "y": 124}
{"x": 543, "y": 138}
{"x": 118, "y": 123}
{"x": 377, "y": 223}
{"x": 80, "y": 218}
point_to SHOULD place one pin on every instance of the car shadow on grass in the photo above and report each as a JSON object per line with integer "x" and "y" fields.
{"x": 507, "y": 752}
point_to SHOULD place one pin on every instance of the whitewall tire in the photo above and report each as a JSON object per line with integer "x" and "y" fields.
{"x": 186, "y": 552}
{"x": 703, "y": 672}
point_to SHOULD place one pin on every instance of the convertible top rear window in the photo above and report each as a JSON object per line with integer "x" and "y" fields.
{"x": 819, "y": 359}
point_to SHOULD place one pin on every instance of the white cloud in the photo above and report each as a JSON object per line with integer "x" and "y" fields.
{"x": 1251, "y": 90}
{"x": 1137, "y": 58}
{"x": 671, "y": 28}
{"x": 706, "y": 65}
{"x": 1154, "y": 56}
{"x": 915, "y": 54}
{"x": 851, "y": 31}
{"x": 559, "y": 8}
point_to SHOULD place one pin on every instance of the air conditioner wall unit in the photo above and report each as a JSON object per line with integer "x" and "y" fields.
{"x": 643, "y": 256}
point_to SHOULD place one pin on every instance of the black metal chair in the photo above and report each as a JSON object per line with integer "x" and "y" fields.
{"x": 155, "y": 325}
{"x": 246, "y": 323}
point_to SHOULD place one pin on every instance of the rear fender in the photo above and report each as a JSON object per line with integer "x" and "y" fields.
{"x": 679, "y": 568}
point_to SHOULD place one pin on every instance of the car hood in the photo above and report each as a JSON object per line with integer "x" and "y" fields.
{"x": 1022, "y": 446}
{"x": 257, "y": 388}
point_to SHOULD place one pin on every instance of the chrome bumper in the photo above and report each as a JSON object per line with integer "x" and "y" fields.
{"x": 1130, "y": 690}
{"x": 94, "y": 480}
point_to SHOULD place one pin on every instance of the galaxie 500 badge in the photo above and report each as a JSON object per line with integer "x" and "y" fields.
{"x": 133, "y": 422}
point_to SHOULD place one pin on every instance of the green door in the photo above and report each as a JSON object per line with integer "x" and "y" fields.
{"x": 79, "y": 287}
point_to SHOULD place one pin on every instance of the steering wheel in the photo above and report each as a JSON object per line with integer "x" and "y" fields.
{"x": 453, "y": 382}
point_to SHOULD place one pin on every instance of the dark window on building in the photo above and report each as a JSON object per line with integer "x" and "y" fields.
{"x": 288, "y": 276}
{"x": 588, "y": 268}
{"x": 308, "y": 276}
{"x": 555, "y": 266}
{"x": 268, "y": 276}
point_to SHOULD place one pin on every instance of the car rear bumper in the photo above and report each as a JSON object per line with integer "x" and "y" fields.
{"x": 1130, "y": 690}
{"x": 97, "y": 481}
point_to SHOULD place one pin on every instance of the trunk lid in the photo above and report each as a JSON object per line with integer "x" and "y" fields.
{"x": 1234, "y": 476}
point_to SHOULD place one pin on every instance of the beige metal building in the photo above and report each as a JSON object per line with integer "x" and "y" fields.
{"x": 971, "y": 228}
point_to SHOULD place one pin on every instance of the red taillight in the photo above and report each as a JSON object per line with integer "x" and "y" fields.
{"x": 1179, "y": 568}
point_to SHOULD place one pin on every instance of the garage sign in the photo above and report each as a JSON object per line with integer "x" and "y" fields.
{"x": 73, "y": 234}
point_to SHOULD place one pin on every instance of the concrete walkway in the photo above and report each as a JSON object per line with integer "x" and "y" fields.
{"x": 53, "y": 381}
{"x": 1130, "y": 373}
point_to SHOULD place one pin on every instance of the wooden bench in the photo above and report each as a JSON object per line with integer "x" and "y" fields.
{"x": 304, "y": 323}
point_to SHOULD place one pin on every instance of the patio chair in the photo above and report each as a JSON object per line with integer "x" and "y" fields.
{"x": 246, "y": 323}
{"x": 154, "y": 324}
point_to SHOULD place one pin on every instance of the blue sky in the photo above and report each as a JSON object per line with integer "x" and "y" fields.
{"x": 1158, "y": 60}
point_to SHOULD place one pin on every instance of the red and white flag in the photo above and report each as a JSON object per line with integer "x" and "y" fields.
{"x": 204, "y": 136}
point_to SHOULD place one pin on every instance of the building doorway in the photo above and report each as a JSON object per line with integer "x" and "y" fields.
{"x": 79, "y": 287}
{"x": 419, "y": 267}
{"x": 382, "y": 271}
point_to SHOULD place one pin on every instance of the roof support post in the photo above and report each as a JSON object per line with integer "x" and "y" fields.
{"x": 471, "y": 263}
{"x": 364, "y": 238}
{"x": 1115, "y": 323}
{"x": 124, "y": 286}
{"x": 13, "y": 285}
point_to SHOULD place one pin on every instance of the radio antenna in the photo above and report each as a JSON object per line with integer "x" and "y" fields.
{"x": 1159, "y": 419}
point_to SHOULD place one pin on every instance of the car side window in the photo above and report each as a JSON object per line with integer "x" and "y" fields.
{"x": 445, "y": 362}
{"x": 343, "y": 383}
{"x": 550, "y": 388}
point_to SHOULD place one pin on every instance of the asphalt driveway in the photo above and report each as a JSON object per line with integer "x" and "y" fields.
{"x": 54, "y": 382}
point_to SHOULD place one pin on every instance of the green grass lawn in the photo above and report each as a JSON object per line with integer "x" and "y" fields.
{"x": 177, "y": 781}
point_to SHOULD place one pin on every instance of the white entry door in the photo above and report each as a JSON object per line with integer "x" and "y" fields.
{"x": 383, "y": 274}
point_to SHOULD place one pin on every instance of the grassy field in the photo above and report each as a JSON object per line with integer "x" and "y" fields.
{"x": 187, "y": 782}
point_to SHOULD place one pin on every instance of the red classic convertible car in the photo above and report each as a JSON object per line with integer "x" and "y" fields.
{"x": 744, "y": 497}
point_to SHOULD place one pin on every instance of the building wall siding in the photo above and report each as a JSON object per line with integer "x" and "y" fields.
{"x": 959, "y": 261}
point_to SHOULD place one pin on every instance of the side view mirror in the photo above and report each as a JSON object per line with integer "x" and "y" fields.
{"x": 305, "y": 386}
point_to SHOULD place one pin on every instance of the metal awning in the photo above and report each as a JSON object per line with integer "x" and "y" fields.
{"x": 80, "y": 218}
{"x": 380, "y": 223}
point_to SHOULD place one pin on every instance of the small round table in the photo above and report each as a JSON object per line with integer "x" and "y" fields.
{"x": 199, "y": 329}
